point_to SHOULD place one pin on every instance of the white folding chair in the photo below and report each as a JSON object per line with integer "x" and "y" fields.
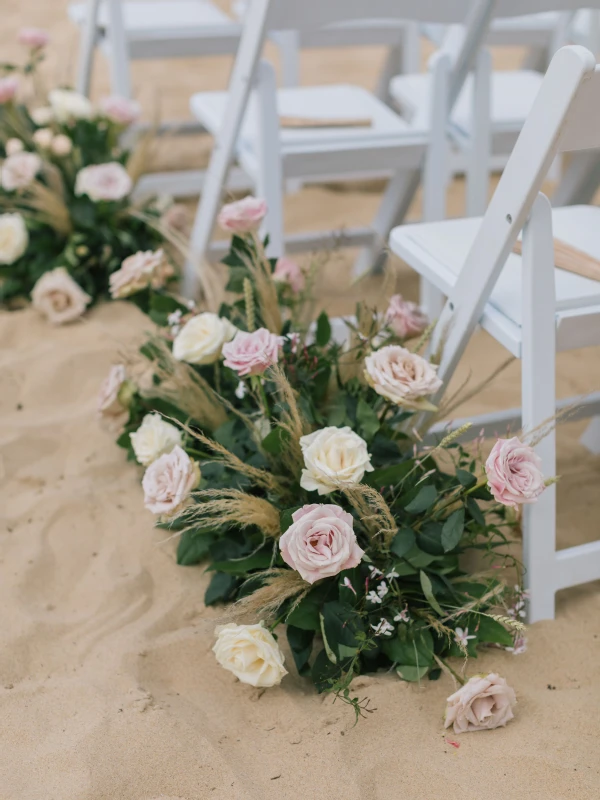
{"x": 490, "y": 111}
{"x": 525, "y": 303}
{"x": 270, "y": 154}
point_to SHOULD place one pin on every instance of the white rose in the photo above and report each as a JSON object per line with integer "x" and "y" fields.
{"x": 402, "y": 377}
{"x": 13, "y": 146}
{"x": 43, "y": 138}
{"x": 43, "y": 115}
{"x": 251, "y": 653}
{"x": 153, "y": 438}
{"x": 58, "y": 297}
{"x": 201, "y": 339}
{"x": 13, "y": 238}
{"x": 168, "y": 482}
{"x": 334, "y": 458}
{"x": 67, "y": 105}
{"x": 19, "y": 170}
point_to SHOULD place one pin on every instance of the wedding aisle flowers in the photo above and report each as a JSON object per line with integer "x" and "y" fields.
{"x": 13, "y": 238}
{"x": 243, "y": 216}
{"x": 405, "y": 318}
{"x": 66, "y": 174}
{"x": 115, "y": 395}
{"x": 402, "y": 377}
{"x": 154, "y": 438}
{"x": 251, "y": 653}
{"x": 168, "y": 482}
{"x": 252, "y": 353}
{"x": 57, "y": 297}
{"x": 483, "y": 703}
{"x": 514, "y": 473}
{"x": 201, "y": 339}
{"x": 333, "y": 458}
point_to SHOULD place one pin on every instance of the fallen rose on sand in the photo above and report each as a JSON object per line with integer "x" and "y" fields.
{"x": 251, "y": 653}
{"x": 483, "y": 703}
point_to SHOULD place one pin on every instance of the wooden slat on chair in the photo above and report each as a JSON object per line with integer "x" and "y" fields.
{"x": 571, "y": 259}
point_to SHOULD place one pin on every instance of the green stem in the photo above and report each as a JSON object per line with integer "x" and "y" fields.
{"x": 444, "y": 665}
{"x": 260, "y": 390}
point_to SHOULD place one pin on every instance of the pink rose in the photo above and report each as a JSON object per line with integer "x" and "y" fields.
{"x": 120, "y": 109}
{"x": 58, "y": 297}
{"x": 483, "y": 703}
{"x": 19, "y": 170}
{"x": 405, "y": 318}
{"x": 287, "y": 271}
{"x": 168, "y": 481}
{"x": 400, "y": 376}
{"x": 137, "y": 272}
{"x": 109, "y": 182}
{"x": 33, "y": 37}
{"x": 115, "y": 395}
{"x": 252, "y": 353}
{"x": 514, "y": 473}
{"x": 243, "y": 216}
{"x": 320, "y": 542}
{"x": 13, "y": 146}
{"x": 8, "y": 88}
{"x": 176, "y": 217}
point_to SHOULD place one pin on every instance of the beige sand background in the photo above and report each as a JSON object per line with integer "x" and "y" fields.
{"x": 108, "y": 688}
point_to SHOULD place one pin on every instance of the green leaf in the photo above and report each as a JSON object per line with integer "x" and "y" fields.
{"x": 192, "y": 548}
{"x": 286, "y": 518}
{"x": 425, "y": 499}
{"x": 490, "y": 630}
{"x": 339, "y": 624}
{"x": 452, "y": 530}
{"x": 300, "y": 642}
{"x": 306, "y": 613}
{"x": 410, "y": 673}
{"x": 367, "y": 419}
{"x": 403, "y": 542}
{"x": 323, "y": 334}
{"x": 220, "y": 588}
{"x": 275, "y": 441}
{"x": 323, "y": 672}
{"x": 388, "y": 476}
{"x": 465, "y": 478}
{"x": 428, "y": 592}
{"x": 260, "y": 560}
{"x": 330, "y": 654}
{"x": 430, "y": 538}
{"x": 475, "y": 511}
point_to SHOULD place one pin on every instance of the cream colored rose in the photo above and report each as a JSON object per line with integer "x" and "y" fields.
{"x": 115, "y": 395}
{"x": 402, "y": 377}
{"x": 13, "y": 146}
{"x": 58, "y": 297}
{"x": 483, "y": 703}
{"x": 13, "y": 238}
{"x": 43, "y": 138}
{"x": 251, "y": 653}
{"x": 67, "y": 105}
{"x": 19, "y": 170}
{"x": 168, "y": 482}
{"x": 61, "y": 145}
{"x": 42, "y": 116}
{"x": 334, "y": 458}
{"x": 201, "y": 339}
{"x": 153, "y": 438}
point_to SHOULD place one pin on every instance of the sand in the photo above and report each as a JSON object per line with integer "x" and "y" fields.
{"x": 108, "y": 687}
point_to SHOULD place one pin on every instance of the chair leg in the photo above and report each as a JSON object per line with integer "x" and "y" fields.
{"x": 270, "y": 173}
{"x": 120, "y": 75}
{"x": 479, "y": 153}
{"x": 87, "y": 47}
{"x": 538, "y": 367}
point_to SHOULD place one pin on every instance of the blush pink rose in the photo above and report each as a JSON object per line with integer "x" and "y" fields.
{"x": 287, "y": 271}
{"x": 137, "y": 272}
{"x": 252, "y": 353}
{"x": 58, "y": 297}
{"x": 19, "y": 170}
{"x": 483, "y": 703}
{"x": 320, "y": 542}
{"x": 33, "y": 37}
{"x": 114, "y": 397}
{"x": 243, "y": 216}
{"x": 110, "y": 182}
{"x": 120, "y": 109}
{"x": 8, "y": 88}
{"x": 176, "y": 217}
{"x": 400, "y": 376}
{"x": 514, "y": 473}
{"x": 405, "y": 318}
{"x": 168, "y": 481}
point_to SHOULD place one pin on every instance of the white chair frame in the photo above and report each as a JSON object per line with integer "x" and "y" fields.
{"x": 565, "y": 116}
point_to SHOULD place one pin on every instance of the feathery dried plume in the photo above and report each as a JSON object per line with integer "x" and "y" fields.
{"x": 45, "y": 205}
{"x": 180, "y": 384}
{"x": 259, "y": 477}
{"x": 458, "y": 398}
{"x": 279, "y": 586}
{"x": 374, "y": 512}
{"x": 424, "y": 337}
{"x": 223, "y": 506}
{"x": 266, "y": 290}
{"x": 291, "y": 420}
{"x": 249, "y": 304}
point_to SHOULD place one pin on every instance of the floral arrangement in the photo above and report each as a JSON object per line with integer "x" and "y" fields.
{"x": 291, "y": 455}
{"x": 69, "y": 233}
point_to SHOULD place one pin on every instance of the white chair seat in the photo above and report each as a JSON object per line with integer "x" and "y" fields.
{"x": 438, "y": 250}
{"x": 512, "y": 96}
{"x": 172, "y": 18}
{"x": 324, "y": 102}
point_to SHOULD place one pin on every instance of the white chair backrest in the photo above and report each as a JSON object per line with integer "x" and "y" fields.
{"x": 564, "y": 116}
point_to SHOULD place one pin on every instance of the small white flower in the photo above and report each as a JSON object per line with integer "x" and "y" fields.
{"x": 382, "y": 590}
{"x": 174, "y": 318}
{"x": 383, "y": 628}
{"x": 391, "y": 575}
{"x": 402, "y": 616}
{"x": 348, "y": 585}
{"x": 519, "y": 646}
{"x": 462, "y": 637}
{"x": 375, "y": 573}
{"x": 241, "y": 390}
{"x": 373, "y": 597}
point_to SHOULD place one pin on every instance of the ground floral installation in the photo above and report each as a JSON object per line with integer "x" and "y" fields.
{"x": 290, "y": 463}
{"x": 69, "y": 233}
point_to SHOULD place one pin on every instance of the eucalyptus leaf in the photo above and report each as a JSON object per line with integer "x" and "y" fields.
{"x": 452, "y": 530}
{"x": 428, "y": 592}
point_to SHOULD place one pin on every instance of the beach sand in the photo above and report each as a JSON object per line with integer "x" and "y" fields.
{"x": 108, "y": 687}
